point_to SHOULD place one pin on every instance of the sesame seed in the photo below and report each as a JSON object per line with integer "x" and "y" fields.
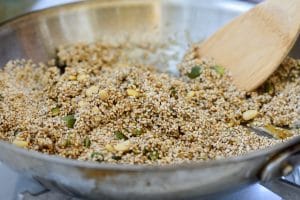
{"x": 163, "y": 119}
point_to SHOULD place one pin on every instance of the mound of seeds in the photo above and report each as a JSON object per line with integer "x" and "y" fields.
{"x": 91, "y": 105}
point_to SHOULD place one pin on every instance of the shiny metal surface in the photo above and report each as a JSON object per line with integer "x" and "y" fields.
{"x": 114, "y": 181}
{"x": 286, "y": 163}
{"x": 36, "y": 35}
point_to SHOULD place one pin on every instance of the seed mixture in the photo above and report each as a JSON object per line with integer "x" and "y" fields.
{"x": 89, "y": 104}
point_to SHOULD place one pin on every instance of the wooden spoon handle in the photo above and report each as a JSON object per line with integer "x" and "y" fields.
{"x": 287, "y": 12}
{"x": 253, "y": 45}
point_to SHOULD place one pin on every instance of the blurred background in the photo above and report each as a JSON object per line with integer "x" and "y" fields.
{"x": 12, "y": 8}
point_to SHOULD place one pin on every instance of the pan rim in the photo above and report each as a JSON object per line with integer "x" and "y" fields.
{"x": 267, "y": 153}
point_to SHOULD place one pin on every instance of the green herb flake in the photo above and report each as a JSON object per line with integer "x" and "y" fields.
{"x": 120, "y": 136}
{"x": 145, "y": 151}
{"x": 137, "y": 132}
{"x": 97, "y": 156}
{"x": 16, "y": 132}
{"x": 219, "y": 69}
{"x": 126, "y": 130}
{"x": 153, "y": 155}
{"x": 195, "y": 72}
{"x": 116, "y": 157}
{"x": 70, "y": 120}
{"x": 55, "y": 111}
{"x": 67, "y": 143}
{"x": 87, "y": 142}
{"x": 173, "y": 92}
{"x": 269, "y": 88}
{"x": 1, "y": 97}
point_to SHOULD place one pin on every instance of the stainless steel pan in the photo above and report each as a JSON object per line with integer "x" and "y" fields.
{"x": 37, "y": 34}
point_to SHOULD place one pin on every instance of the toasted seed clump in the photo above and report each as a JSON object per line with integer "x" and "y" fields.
{"x": 125, "y": 112}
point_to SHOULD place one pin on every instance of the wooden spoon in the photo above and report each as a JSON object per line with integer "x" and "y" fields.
{"x": 253, "y": 45}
